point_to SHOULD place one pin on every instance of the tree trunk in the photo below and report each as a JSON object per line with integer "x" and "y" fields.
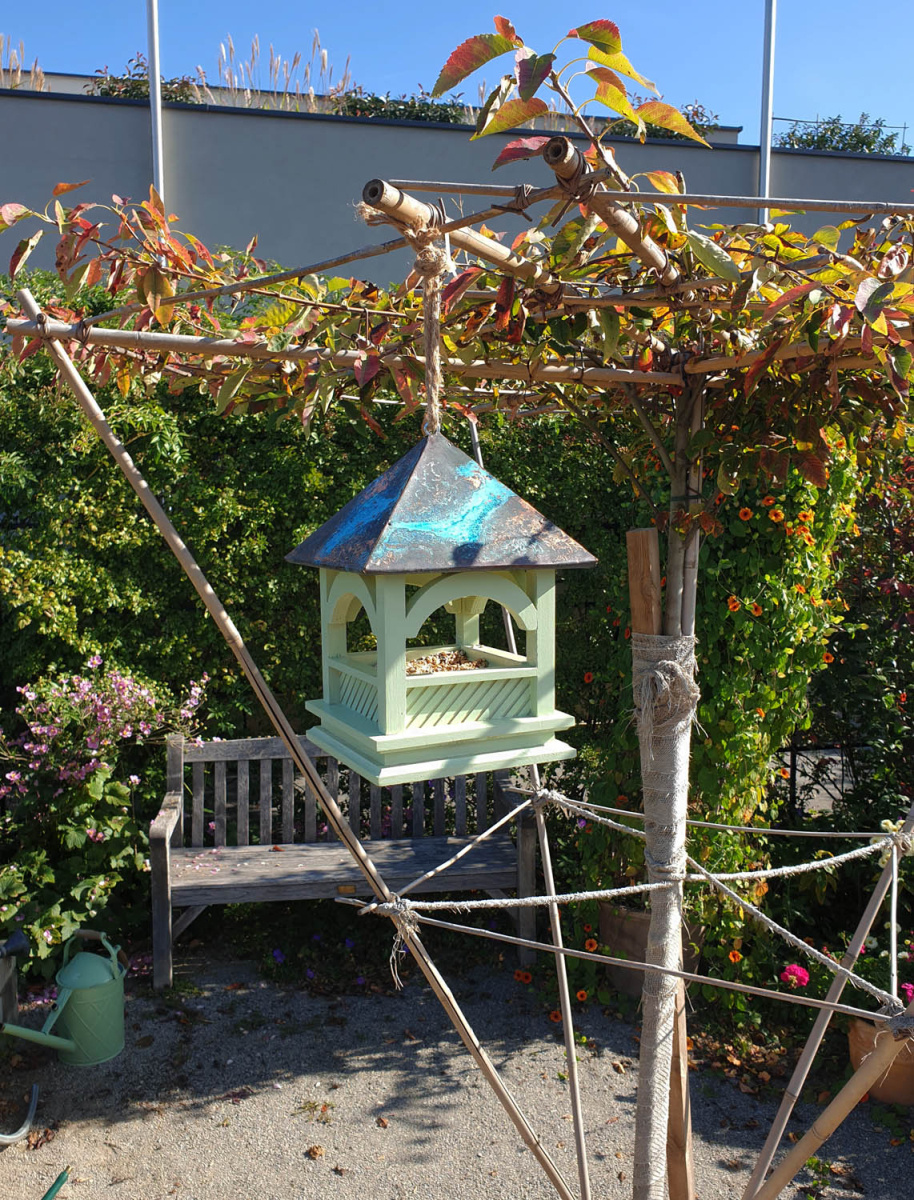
{"x": 665, "y": 698}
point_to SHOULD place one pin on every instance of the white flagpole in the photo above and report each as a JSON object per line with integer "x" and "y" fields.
{"x": 764, "y": 154}
{"x": 155, "y": 96}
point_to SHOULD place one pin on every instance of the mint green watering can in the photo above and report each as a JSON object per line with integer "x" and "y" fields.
{"x": 89, "y": 1011}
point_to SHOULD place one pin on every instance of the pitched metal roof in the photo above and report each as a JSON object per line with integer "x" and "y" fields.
{"x": 437, "y": 510}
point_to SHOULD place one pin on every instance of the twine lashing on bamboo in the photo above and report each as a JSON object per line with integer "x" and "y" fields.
{"x": 405, "y": 922}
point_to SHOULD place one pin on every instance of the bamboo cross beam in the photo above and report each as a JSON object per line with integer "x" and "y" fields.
{"x": 792, "y": 204}
{"x": 568, "y": 164}
{"x": 179, "y": 343}
{"x": 406, "y": 210}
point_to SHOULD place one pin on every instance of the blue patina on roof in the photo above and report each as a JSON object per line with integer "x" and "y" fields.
{"x": 437, "y": 510}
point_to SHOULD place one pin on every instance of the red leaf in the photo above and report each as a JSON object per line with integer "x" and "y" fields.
{"x": 22, "y": 252}
{"x": 469, "y": 56}
{"x": 788, "y": 297}
{"x": 11, "y": 213}
{"x": 507, "y": 30}
{"x": 604, "y": 34}
{"x": 866, "y": 340}
{"x": 504, "y": 302}
{"x": 760, "y": 365}
{"x": 372, "y": 425}
{"x": 520, "y": 148}
{"x": 531, "y": 69}
{"x": 812, "y": 467}
{"x": 456, "y": 288}
{"x": 515, "y": 112}
{"x": 94, "y": 273}
{"x": 29, "y": 349}
{"x": 68, "y": 187}
{"x": 366, "y": 370}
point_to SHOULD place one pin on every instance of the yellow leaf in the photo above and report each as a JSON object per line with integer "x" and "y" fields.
{"x": 123, "y": 381}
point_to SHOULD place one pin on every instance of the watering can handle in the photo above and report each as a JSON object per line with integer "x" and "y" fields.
{"x": 95, "y": 935}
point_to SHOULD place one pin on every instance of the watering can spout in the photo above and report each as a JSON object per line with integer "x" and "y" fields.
{"x": 50, "y": 1040}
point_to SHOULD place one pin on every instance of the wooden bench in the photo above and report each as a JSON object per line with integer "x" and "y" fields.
{"x": 258, "y": 834}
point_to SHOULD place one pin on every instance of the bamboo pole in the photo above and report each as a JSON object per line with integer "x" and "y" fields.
{"x": 406, "y": 210}
{"x": 709, "y": 198}
{"x": 838, "y": 983}
{"x": 179, "y": 343}
{"x": 568, "y": 163}
{"x": 643, "y": 551}
{"x": 870, "y": 1071}
{"x": 270, "y": 705}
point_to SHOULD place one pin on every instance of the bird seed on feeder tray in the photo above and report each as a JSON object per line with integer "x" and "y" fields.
{"x": 444, "y": 660}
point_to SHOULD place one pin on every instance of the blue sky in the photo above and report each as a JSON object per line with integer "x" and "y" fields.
{"x": 833, "y": 56}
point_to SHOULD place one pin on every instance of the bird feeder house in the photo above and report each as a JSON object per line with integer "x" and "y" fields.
{"x": 436, "y": 531}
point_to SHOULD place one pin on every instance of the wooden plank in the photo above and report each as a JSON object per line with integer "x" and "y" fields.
{"x": 482, "y": 802}
{"x": 374, "y": 811}
{"x": 219, "y": 804}
{"x": 9, "y": 996}
{"x": 460, "y": 805}
{"x": 439, "y": 815}
{"x": 288, "y": 801}
{"x": 396, "y": 811}
{"x": 355, "y": 802}
{"x": 418, "y": 810}
{"x": 310, "y": 814}
{"x": 250, "y": 748}
{"x": 244, "y": 800}
{"x": 196, "y": 833}
{"x": 239, "y": 874}
{"x": 644, "y": 580}
{"x": 186, "y": 918}
{"x": 174, "y": 780}
{"x": 333, "y": 787}
{"x": 266, "y": 801}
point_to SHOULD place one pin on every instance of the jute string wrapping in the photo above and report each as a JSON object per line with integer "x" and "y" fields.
{"x": 666, "y": 696}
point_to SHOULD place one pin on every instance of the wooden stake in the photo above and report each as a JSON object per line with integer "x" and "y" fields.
{"x": 644, "y": 598}
{"x": 279, "y": 721}
{"x": 870, "y": 1071}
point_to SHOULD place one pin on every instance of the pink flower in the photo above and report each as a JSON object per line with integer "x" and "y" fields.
{"x": 795, "y": 976}
{"x": 908, "y": 991}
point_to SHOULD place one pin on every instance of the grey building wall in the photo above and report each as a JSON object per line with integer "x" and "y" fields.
{"x": 294, "y": 179}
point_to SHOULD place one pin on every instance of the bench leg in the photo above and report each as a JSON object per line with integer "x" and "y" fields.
{"x": 526, "y": 886}
{"x": 161, "y": 919}
{"x": 9, "y": 1000}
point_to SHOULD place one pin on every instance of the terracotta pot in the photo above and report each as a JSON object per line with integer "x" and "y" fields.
{"x": 897, "y": 1085}
{"x": 624, "y": 932}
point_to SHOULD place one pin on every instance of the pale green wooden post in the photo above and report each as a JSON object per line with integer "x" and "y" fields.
{"x": 466, "y": 616}
{"x": 541, "y": 641}
{"x": 390, "y": 599}
{"x": 333, "y": 639}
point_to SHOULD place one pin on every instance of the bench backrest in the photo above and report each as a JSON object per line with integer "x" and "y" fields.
{"x": 247, "y": 790}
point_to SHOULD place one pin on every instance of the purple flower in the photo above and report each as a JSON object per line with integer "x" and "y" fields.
{"x": 581, "y": 822}
{"x": 309, "y": 974}
{"x": 360, "y": 980}
{"x": 348, "y": 943}
{"x": 316, "y": 937}
{"x": 279, "y": 956}
{"x": 134, "y": 779}
{"x": 95, "y": 660}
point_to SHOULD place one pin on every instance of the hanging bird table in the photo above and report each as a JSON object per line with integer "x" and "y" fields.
{"x": 438, "y": 531}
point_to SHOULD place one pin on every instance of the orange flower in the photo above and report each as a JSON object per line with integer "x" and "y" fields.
{"x": 776, "y": 514}
{"x": 784, "y": 773}
{"x": 828, "y": 657}
{"x": 663, "y": 582}
{"x": 761, "y": 712}
{"x": 590, "y": 945}
{"x": 745, "y": 514}
{"x": 735, "y": 956}
{"x": 788, "y": 529}
{"x": 581, "y": 995}
{"x": 806, "y": 516}
{"x": 616, "y": 622}
{"x": 902, "y": 698}
{"x": 609, "y": 608}
{"x": 555, "y": 1015}
{"x": 800, "y": 589}
{"x": 733, "y": 604}
{"x": 768, "y": 501}
{"x": 518, "y": 976}
{"x": 622, "y": 799}
{"x": 588, "y": 676}
{"x": 628, "y": 632}
{"x": 526, "y": 977}
{"x": 808, "y": 538}
{"x": 756, "y": 609}
{"x": 588, "y": 929}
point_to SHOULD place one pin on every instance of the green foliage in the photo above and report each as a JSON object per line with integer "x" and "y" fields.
{"x": 357, "y": 103}
{"x": 134, "y": 84}
{"x": 831, "y": 133}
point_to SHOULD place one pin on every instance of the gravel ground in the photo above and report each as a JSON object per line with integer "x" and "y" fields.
{"x": 250, "y": 1091}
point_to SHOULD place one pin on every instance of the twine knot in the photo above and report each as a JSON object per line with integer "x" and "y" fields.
{"x": 401, "y": 912}
{"x": 663, "y": 682}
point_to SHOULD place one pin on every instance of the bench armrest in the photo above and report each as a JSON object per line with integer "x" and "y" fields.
{"x": 163, "y": 826}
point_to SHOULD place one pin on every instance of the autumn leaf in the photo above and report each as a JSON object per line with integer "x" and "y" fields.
{"x": 788, "y": 297}
{"x": 602, "y": 34}
{"x": 507, "y": 30}
{"x": 618, "y": 62}
{"x": 23, "y": 251}
{"x": 469, "y": 56}
{"x": 655, "y": 112}
{"x": 11, "y": 213}
{"x": 712, "y": 256}
{"x": 611, "y": 91}
{"x": 515, "y": 112}
{"x": 531, "y": 69}
{"x": 61, "y": 188}
{"x": 456, "y": 288}
{"x": 520, "y": 149}
{"x": 663, "y": 181}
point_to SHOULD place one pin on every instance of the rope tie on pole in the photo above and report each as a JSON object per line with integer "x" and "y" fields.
{"x": 406, "y": 923}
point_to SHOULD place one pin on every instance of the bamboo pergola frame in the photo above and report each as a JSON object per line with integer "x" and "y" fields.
{"x": 395, "y": 205}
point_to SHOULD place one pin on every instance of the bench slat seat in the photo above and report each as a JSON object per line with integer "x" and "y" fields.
{"x": 223, "y": 793}
{"x": 323, "y": 870}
